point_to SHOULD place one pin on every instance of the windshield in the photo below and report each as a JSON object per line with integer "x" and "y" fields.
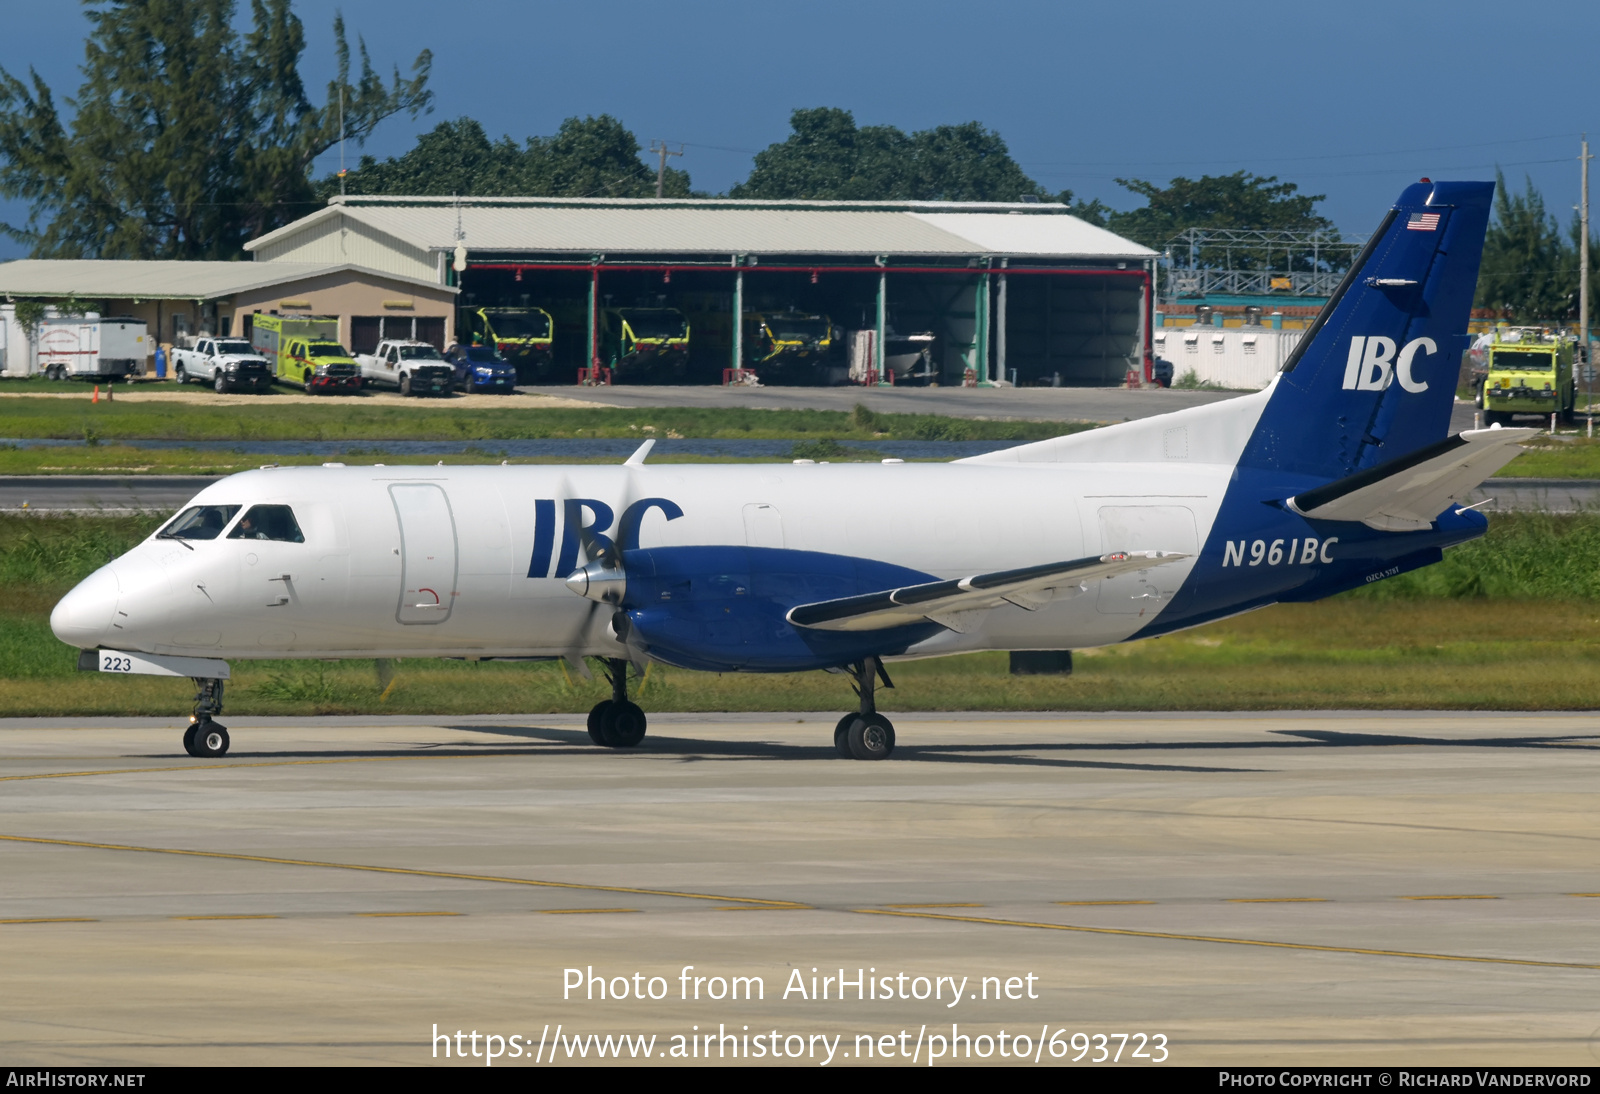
{"x": 199, "y": 522}
{"x": 483, "y": 355}
{"x": 419, "y": 353}
{"x": 325, "y": 349}
{"x": 236, "y": 345}
{"x": 268, "y": 522}
{"x": 519, "y": 324}
{"x": 798, "y": 329}
{"x": 656, "y": 322}
{"x": 1525, "y": 360}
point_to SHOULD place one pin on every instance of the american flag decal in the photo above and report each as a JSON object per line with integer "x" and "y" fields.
{"x": 1423, "y": 222}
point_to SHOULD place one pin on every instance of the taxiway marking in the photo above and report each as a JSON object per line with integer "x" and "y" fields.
{"x": 984, "y": 920}
{"x": 364, "y": 868}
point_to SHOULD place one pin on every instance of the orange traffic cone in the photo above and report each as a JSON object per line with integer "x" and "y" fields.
{"x": 96, "y": 398}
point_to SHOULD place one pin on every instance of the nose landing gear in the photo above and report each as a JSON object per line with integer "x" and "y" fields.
{"x": 616, "y": 722}
{"x": 866, "y": 735}
{"x": 205, "y": 738}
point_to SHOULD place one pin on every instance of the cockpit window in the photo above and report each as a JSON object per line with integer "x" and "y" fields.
{"x": 274, "y": 522}
{"x": 199, "y": 522}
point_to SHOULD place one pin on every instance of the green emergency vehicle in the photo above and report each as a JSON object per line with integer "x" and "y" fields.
{"x": 305, "y": 350}
{"x": 644, "y": 345}
{"x": 1528, "y": 371}
{"x": 524, "y": 336}
{"x": 790, "y": 347}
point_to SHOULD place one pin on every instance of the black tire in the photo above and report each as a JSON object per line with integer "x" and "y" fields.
{"x": 306, "y": 383}
{"x": 1477, "y": 397}
{"x": 188, "y": 739}
{"x": 841, "y": 737}
{"x": 405, "y": 384}
{"x": 597, "y": 722}
{"x": 180, "y": 375}
{"x": 219, "y": 381}
{"x": 210, "y": 739}
{"x": 624, "y": 725}
{"x": 871, "y": 737}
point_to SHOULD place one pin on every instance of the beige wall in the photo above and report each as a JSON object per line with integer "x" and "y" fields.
{"x": 348, "y": 294}
{"x": 341, "y": 239}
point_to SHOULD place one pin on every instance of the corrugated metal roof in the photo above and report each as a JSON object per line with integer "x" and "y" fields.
{"x": 731, "y": 228}
{"x": 1009, "y": 234}
{"x": 175, "y": 280}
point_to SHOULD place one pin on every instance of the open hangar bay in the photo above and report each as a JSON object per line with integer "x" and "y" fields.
{"x": 1305, "y": 888}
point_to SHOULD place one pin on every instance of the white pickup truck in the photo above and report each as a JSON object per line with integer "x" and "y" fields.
{"x": 416, "y": 368}
{"x": 227, "y": 364}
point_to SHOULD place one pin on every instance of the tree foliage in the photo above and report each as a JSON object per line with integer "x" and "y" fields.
{"x": 827, "y": 156}
{"x": 187, "y": 138}
{"x": 587, "y": 157}
{"x": 1530, "y": 267}
{"x": 1239, "y": 200}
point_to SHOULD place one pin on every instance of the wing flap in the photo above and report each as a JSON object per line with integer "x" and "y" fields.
{"x": 956, "y": 603}
{"x": 1406, "y": 495}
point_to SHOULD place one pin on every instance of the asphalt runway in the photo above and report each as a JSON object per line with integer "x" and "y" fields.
{"x": 1300, "y": 888}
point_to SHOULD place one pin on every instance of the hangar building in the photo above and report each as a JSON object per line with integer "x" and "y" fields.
{"x": 1020, "y": 290}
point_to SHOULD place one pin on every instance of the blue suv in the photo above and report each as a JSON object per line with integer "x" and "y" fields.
{"x": 481, "y": 369}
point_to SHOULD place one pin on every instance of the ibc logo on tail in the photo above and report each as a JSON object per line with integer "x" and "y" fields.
{"x": 1372, "y": 365}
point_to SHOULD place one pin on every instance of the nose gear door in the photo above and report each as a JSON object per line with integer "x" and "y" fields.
{"x": 427, "y": 553}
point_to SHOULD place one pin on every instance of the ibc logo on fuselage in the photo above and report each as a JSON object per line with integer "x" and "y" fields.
{"x": 1372, "y": 365}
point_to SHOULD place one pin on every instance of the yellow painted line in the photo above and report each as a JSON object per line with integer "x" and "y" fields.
{"x": 178, "y": 767}
{"x": 60, "y": 919}
{"x": 1583, "y": 894}
{"x": 593, "y": 911}
{"x": 1278, "y": 900}
{"x": 1453, "y": 896}
{"x": 933, "y": 905}
{"x": 751, "y": 908}
{"x": 192, "y": 917}
{"x": 364, "y": 868}
{"x": 399, "y": 915}
{"x": 1099, "y": 903}
{"x": 1231, "y": 941}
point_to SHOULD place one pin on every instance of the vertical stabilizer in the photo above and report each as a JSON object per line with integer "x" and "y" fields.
{"x": 1375, "y": 377}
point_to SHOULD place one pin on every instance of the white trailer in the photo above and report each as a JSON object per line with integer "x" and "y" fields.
{"x": 1239, "y": 358}
{"x": 90, "y": 348}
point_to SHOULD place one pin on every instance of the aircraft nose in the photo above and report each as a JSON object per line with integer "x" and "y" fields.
{"x": 83, "y": 616}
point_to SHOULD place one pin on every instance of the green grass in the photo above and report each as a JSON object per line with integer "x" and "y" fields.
{"x": 1511, "y": 621}
{"x": 354, "y": 420}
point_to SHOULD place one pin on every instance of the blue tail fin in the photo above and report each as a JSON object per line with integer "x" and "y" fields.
{"x": 1375, "y": 376}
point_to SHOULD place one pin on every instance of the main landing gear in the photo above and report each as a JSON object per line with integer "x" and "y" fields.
{"x": 616, "y": 722}
{"x": 205, "y": 738}
{"x": 866, "y": 735}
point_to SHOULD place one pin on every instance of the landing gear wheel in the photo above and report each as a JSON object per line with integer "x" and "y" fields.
{"x": 871, "y": 737}
{"x": 624, "y": 725}
{"x": 841, "y": 737}
{"x": 188, "y": 739}
{"x": 210, "y": 739}
{"x": 597, "y": 722}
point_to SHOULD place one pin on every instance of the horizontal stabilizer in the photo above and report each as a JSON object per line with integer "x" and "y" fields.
{"x": 1407, "y": 494}
{"x": 951, "y": 603}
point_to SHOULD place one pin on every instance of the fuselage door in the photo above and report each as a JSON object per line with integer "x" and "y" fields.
{"x": 1144, "y": 528}
{"x": 427, "y": 553}
{"x": 763, "y": 525}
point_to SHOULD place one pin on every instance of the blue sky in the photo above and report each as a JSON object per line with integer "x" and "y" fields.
{"x": 1351, "y": 99}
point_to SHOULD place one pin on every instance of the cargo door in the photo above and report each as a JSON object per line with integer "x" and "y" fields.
{"x": 427, "y": 553}
{"x": 1144, "y": 528}
{"x": 763, "y": 525}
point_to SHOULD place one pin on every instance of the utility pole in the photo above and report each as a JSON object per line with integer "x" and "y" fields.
{"x": 1583, "y": 285}
{"x": 660, "y": 148}
{"x": 341, "y": 140}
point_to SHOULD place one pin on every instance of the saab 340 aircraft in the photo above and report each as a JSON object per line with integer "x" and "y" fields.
{"x": 1341, "y": 472}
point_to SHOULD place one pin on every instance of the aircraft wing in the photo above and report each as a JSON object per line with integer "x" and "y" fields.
{"x": 1405, "y": 495}
{"x": 949, "y": 602}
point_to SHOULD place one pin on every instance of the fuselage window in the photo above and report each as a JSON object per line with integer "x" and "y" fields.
{"x": 199, "y": 522}
{"x": 274, "y": 522}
